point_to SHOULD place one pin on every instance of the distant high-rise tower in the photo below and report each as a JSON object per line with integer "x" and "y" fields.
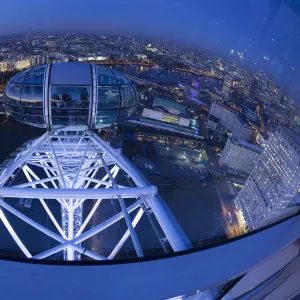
{"x": 227, "y": 83}
{"x": 254, "y": 88}
{"x": 271, "y": 190}
{"x": 227, "y": 116}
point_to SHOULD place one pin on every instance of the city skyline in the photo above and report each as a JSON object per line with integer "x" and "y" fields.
{"x": 228, "y": 26}
{"x": 135, "y": 42}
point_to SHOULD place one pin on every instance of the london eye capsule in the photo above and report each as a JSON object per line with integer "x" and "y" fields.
{"x": 70, "y": 95}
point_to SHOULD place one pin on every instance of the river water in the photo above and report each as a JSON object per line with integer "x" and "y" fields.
{"x": 164, "y": 76}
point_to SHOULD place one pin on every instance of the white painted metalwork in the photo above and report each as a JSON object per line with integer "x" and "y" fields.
{"x": 93, "y": 110}
{"x": 79, "y": 172}
{"x": 46, "y": 96}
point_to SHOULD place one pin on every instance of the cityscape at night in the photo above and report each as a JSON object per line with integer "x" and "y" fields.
{"x": 177, "y": 150}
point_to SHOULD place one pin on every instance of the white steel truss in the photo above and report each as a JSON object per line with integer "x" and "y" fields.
{"x": 74, "y": 168}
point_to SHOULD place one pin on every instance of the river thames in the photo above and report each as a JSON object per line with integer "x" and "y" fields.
{"x": 164, "y": 76}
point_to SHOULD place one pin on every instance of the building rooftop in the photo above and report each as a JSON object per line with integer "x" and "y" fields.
{"x": 169, "y": 103}
{"x": 226, "y": 107}
{"x": 246, "y": 145}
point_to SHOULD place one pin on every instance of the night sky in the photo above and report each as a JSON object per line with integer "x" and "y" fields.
{"x": 214, "y": 25}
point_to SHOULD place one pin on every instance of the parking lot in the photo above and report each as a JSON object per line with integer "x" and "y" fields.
{"x": 178, "y": 161}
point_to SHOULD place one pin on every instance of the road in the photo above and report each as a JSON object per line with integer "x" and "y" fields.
{"x": 177, "y": 161}
{"x": 226, "y": 195}
{"x": 181, "y": 161}
{"x": 214, "y": 162}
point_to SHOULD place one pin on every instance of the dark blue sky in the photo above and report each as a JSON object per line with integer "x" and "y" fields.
{"x": 216, "y": 25}
{"x": 195, "y": 21}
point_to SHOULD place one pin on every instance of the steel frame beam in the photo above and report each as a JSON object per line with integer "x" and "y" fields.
{"x": 65, "y": 167}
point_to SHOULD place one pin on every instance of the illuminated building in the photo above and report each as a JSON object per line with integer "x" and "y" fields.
{"x": 227, "y": 84}
{"x": 239, "y": 156}
{"x": 149, "y": 47}
{"x": 261, "y": 139}
{"x": 3, "y": 66}
{"x": 273, "y": 185}
{"x": 37, "y": 60}
{"x": 22, "y": 64}
{"x": 165, "y": 117}
{"x": 92, "y": 58}
{"x": 142, "y": 57}
{"x": 167, "y": 111}
{"x": 227, "y": 116}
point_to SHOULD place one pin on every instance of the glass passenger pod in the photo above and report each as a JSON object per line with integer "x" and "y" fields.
{"x": 24, "y": 96}
{"x": 116, "y": 97}
{"x": 70, "y": 90}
